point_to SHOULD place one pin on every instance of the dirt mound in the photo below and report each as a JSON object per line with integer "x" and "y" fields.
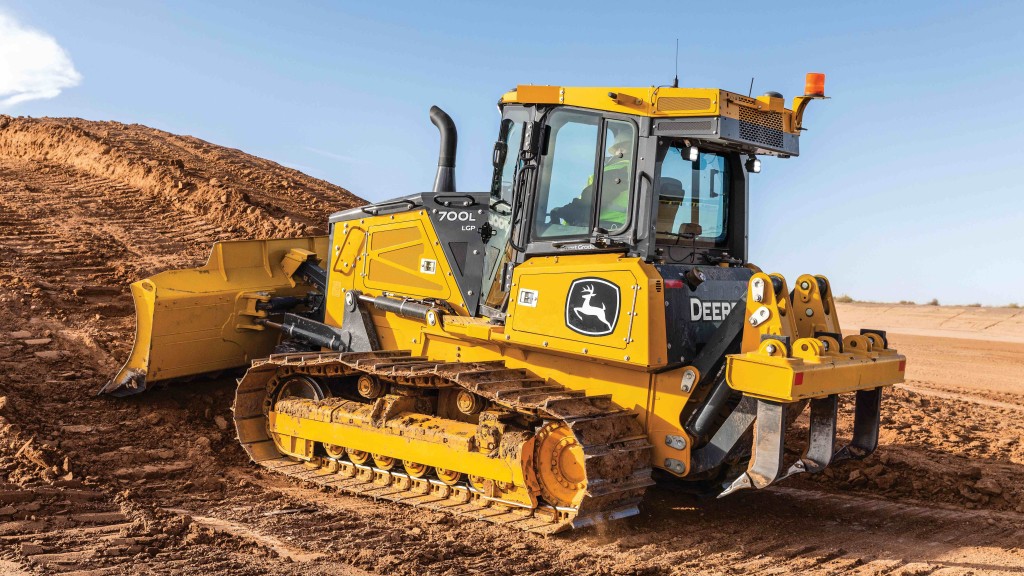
{"x": 86, "y": 208}
{"x": 241, "y": 194}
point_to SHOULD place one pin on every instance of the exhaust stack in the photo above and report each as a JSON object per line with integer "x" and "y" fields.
{"x": 444, "y": 181}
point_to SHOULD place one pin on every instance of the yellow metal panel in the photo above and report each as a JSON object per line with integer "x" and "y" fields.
{"x": 547, "y": 318}
{"x": 667, "y": 403}
{"x": 664, "y": 102}
{"x": 539, "y": 94}
{"x": 394, "y": 258}
{"x": 447, "y": 450}
{"x": 775, "y": 378}
{"x": 389, "y": 257}
{"x": 348, "y": 247}
{"x": 199, "y": 320}
{"x": 638, "y": 335}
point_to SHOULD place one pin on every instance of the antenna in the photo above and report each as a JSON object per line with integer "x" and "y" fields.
{"x": 751, "y": 91}
{"x": 675, "y": 82}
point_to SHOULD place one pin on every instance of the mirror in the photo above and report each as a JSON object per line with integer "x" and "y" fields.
{"x": 498, "y": 157}
{"x": 690, "y": 230}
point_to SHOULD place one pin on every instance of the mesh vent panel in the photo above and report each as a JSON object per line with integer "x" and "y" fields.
{"x": 761, "y": 127}
{"x": 679, "y": 104}
{"x": 688, "y": 126}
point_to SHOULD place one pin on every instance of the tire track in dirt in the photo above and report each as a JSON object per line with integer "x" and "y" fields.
{"x": 783, "y": 530}
{"x": 961, "y": 396}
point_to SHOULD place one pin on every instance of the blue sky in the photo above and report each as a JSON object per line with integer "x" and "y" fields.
{"x": 908, "y": 185}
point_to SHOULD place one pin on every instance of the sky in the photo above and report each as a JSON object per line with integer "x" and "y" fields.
{"x": 907, "y": 186}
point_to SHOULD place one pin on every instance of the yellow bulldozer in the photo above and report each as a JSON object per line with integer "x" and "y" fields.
{"x": 539, "y": 354}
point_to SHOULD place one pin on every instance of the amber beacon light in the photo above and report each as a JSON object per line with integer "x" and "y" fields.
{"x": 815, "y": 84}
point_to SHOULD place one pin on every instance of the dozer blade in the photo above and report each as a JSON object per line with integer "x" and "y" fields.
{"x": 200, "y": 320}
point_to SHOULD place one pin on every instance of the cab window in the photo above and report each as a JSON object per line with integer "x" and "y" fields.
{"x": 588, "y": 168}
{"x": 692, "y": 196}
{"x": 565, "y": 197}
{"x": 616, "y": 175}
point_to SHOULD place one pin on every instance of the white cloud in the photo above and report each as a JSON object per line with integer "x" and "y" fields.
{"x": 32, "y": 65}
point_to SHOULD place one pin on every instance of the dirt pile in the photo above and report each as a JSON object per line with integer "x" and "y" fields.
{"x": 241, "y": 194}
{"x": 158, "y": 484}
{"x": 85, "y": 209}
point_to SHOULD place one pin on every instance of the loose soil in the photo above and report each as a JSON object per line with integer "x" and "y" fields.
{"x": 157, "y": 483}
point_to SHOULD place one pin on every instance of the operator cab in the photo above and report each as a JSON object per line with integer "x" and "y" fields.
{"x": 659, "y": 176}
{"x": 584, "y": 181}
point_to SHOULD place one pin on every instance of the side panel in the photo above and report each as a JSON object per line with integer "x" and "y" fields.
{"x": 601, "y": 306}
{"x": 397, "y": 253}
{"x": 693, "y": 313}
{"x": 401, "y": 258}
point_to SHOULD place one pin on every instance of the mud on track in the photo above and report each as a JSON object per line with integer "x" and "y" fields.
{"x": 158, "y": 485}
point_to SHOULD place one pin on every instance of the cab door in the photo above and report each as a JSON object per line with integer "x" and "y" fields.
{"x": 586, "y": 183}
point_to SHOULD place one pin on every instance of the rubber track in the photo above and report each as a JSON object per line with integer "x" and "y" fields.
{"x": 616, "y": 449}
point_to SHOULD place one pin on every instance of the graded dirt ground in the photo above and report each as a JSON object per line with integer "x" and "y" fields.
{"x": 157, "y": 483}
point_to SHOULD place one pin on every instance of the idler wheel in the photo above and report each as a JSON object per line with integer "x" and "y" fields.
{"x": 301, "y": 386}
{"x": 294, "y": 386}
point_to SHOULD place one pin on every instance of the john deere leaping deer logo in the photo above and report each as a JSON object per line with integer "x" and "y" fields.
{"x": 588, "y": 309}
{"x": 592, "y": 307}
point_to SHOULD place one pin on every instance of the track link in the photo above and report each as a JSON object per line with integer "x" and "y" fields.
{"x": 616, "y": 452}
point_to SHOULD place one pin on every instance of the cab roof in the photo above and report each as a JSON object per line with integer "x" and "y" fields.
{"x": 766, "y": 113}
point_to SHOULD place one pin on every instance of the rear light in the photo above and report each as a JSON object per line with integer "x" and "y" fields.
{"x": 798, "y": 379}
{"x": 815, "y": 84}
{"x": 673, "y": 283}
{"x": 903, "y": 365}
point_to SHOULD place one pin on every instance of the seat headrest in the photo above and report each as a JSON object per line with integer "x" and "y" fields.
{"x": 670, "y": 187}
